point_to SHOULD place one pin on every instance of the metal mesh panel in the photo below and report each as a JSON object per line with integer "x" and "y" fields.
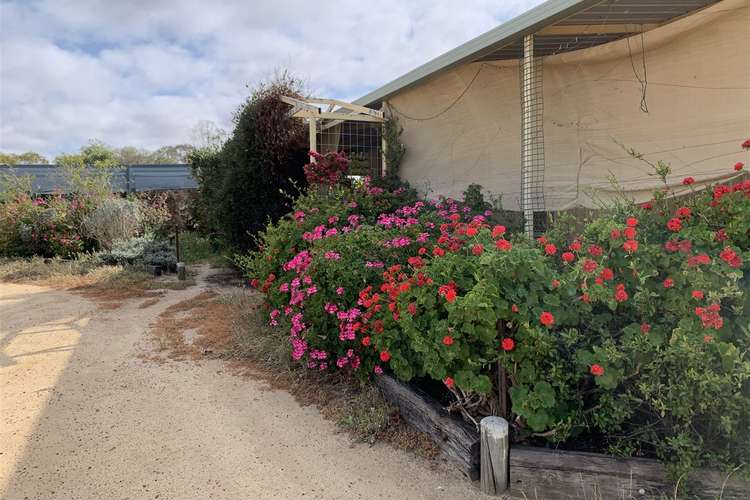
{"x": 532, "y": 139}
{"x": 361, "y": 141}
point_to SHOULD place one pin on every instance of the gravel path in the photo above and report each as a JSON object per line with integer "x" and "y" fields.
{"x": 83, "y": 416}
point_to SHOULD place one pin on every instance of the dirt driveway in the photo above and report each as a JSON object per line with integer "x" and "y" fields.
{"x": 83, "y": 416}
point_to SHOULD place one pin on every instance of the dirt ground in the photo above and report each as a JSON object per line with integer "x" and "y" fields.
{"x": 85, "y": 414}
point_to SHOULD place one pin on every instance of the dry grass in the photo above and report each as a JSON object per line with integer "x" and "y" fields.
{"x": 108, "y": 285}
{"x": 209, "y": 319}
{"x": 229, "y": 325}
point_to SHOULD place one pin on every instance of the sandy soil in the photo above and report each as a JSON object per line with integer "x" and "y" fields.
{"x": 83, "y": 416}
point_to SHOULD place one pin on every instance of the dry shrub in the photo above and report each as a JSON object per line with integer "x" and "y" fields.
{"x": 113, "y": 219}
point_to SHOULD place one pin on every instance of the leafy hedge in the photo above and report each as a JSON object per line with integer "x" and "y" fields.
{"x": 249, "y": 180}
{"x": 631, "y": 337}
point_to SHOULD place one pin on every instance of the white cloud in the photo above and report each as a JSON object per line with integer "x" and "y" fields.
{"x": 144, "y": 72}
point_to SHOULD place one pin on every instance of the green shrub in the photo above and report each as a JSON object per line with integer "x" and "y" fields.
{"x": 249, "y": 181}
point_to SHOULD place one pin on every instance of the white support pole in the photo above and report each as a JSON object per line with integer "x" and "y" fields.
{"x": 532, "y": 136}
{"x": 313, "y": 137}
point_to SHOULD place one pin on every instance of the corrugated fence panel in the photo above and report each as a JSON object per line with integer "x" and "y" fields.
{"x": 49, "y": 178}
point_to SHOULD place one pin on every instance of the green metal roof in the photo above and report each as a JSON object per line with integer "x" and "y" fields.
{"x": 504, "y": 42}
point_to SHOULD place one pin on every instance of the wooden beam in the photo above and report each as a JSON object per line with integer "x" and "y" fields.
{"x": 594, "y": 29}
{"x": 298, "y": 104}
{"x": 557, "y": 474}
{"x": 458, "y": 441}
{"x": 330, "y": 124}
{"x": 337, "y": 116}
{"x": 346, "y": 105}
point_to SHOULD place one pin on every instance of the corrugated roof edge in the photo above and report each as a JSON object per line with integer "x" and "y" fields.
{"x": 542, "y": 15}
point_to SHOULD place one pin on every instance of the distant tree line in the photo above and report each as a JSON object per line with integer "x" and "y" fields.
{"x": 97, "y": 153}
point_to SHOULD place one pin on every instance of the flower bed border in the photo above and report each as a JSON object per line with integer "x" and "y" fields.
{"x": 546, "y": 473}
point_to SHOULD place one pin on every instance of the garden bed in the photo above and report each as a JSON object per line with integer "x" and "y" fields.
{"x": 548, "y": 473}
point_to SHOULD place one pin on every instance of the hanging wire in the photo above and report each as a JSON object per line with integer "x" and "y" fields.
{"x": 644, "y": 80}
{"x": 448, "y": 108}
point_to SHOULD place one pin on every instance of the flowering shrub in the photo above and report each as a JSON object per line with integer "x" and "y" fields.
{"x": 630, "y": 337}
{"x": 45, "y": 226}
{"x": 327, "y": 170}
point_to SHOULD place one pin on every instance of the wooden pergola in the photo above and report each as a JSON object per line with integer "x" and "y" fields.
{"x": 322, "y": 114}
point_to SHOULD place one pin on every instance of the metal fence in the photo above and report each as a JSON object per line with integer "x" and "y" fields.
{"x": 134, "y": 178}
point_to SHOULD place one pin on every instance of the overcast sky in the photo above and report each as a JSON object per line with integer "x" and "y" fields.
{"x": 144, "y": 72}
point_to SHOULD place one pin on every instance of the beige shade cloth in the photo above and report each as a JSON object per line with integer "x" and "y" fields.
{"x": 463, "y": 126}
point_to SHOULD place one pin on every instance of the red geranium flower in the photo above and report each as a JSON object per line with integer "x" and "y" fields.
{"x": 688, "y": 181}
{"x": 555, "y": 283}
{"x": 620, "y": 294}
{"x": 422, "y": 251}
{"x": 684, "y": 212}
{"x": 550, "y": 249}
{"x": 697, "y": 294}
{"x": 412, "y": 308}
{"x": 645, "y": 328}
{"x": 589, "y": 266}
{"x": 746, "y": 144}
{"x": 450, "y": 295}
{"x": 448, "y": 382}
{"x": 631, "y": 222}
{"x": 668, "y": 283}
{"x": 415, "y": 262}
{"x": 730, "y": 257}
{"x": 738, "y": 166}
{"x": 630, "y": 246}
{"x": 503, "y": 244}
{"x": 607, "y": 274}
{"x": 575, "y": 246}
{"x": 647, "y": 205}
{"x": 365, "y": 341}
{"x": 615, "y": 234}
{"x": 546, "y": 318}
{"x": 448, "y": 340}
{"x": 597, "y": 370}
{"x": 498, "y": 231}
{"x": 471, "y": 231}
{"x": 698, "y": 260}
{"x": 674, "y": 224}
{"x": 477, "y": 249}
{"x": 595, "y": 250}
{"x": 438, "y": 252}
{"x": 514, "y": 308}
{"x": 568, "y": 256}
{"x": 508, "y": 344}
{"x": 385, "y": 356}
{"x": 630, "y": 233}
